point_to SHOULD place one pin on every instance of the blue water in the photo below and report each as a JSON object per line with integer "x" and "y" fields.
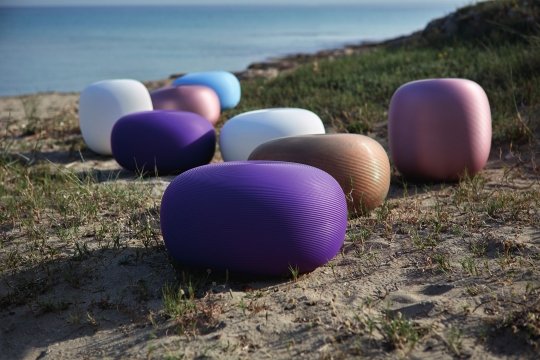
{"x": 67, "y": 48}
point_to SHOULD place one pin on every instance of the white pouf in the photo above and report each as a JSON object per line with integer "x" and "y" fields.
{"x": 103, "y": 103}
{"x": 243, "y": 133}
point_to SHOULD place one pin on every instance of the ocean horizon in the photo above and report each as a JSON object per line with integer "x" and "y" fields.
{"x": 66, "y": 48}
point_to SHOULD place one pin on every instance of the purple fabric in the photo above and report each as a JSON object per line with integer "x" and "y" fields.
{"x": 256, "y": 217}
{"x": 163, "y": 141}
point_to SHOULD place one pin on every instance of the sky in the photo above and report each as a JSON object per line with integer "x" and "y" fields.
{"x": 218, "y": 2}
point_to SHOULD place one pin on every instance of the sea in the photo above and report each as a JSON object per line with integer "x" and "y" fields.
{"x": 66, "y": 48}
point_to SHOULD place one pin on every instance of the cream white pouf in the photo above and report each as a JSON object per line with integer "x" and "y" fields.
{"x": 103, "y": 103}
{"x": 243, "y": 133}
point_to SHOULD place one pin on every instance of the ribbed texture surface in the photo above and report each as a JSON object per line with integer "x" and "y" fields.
{"x": 357, "y": 162}
{"x": 439, "y": 129}
{"x": 254, "y": 217}
{"x": 163, "y": 141}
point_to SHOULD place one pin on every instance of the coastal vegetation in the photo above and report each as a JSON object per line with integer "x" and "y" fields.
{"x": 496, "y": 44}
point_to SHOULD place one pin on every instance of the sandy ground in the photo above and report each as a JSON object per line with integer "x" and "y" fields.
{"x": 110, "y": 302}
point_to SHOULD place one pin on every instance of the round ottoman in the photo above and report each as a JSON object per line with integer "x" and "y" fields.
{"x": 225, "y": 84}
{"x": 262, "y": 218}
{"x": 163, "y": 142}
{"x": 439, "y": 129}
{"x": 103, "y": 103}
{"x": 243, "y": 133}
{"x": 357, "y": 162}
{"x": 193, "y": 98}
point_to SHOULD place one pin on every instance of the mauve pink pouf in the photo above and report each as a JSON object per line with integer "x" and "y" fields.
{"x": 197, "y": 99}
{"x": 439, "y": 129}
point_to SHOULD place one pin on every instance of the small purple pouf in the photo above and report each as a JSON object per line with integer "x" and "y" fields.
{"x": 256, "y": 217}
{"x": 163, "y": 141}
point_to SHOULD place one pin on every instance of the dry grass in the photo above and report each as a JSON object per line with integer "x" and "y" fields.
{"x": 438, "y": 269}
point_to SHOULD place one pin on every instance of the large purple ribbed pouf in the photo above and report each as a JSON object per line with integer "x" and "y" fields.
{"x": 256, "y": 217}
{"x": 163, "y": 141}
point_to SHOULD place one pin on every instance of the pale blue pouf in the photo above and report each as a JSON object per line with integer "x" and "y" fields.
{"x": 225, "y": 84}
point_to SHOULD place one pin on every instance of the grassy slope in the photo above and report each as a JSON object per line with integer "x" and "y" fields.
{"x": 353, "y": 93}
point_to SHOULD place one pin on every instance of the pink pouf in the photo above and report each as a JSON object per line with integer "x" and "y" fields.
{"x": 439, "y": 129}
{"x": 197, "y": 99}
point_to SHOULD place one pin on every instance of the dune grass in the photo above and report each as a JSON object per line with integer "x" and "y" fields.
{"x": 353, "y": 93}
